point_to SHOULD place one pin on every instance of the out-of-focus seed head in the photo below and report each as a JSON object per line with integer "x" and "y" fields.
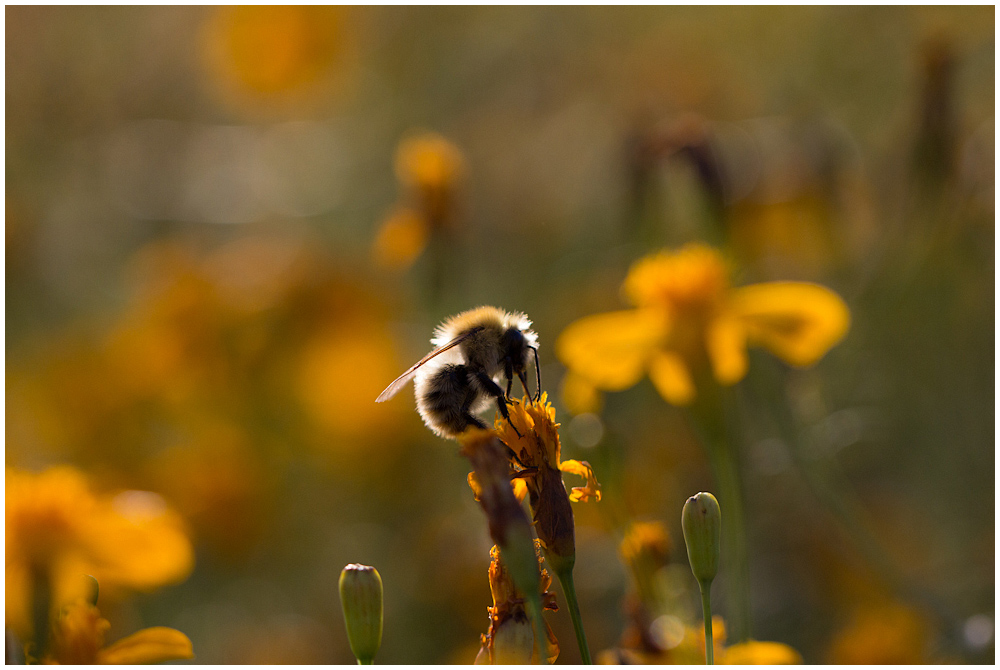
{"x": 361, "y": 599}
{"x": 701, "y": 521}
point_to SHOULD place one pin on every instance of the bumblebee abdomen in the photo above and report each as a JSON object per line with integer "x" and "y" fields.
{"x": 444, "y": 398}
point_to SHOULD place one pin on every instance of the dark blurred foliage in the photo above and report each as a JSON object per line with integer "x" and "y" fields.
{"x": 191, "y": 199}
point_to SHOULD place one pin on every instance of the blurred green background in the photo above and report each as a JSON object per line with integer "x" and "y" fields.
{"x": 193, "y": 308}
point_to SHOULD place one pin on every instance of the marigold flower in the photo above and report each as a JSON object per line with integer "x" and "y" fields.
{"x": 688, "y": 319}
{"x": 272, "y": 50}
{"x": 883, "y": 634}
{"x": 645, "y": 549}
{"x": 430, "y": 164}
{"x": 78, "y": 639}
{"x": 533, "y": 437}
{"x": 510, "y": 638}
{"x": 57, "y": 531}
{"x": 753, "y": 652}
{"x": 401, "y": 238}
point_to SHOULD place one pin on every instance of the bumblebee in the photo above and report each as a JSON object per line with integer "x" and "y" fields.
{"x": 474, "y": 352}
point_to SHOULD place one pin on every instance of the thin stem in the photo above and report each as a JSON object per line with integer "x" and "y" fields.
{"x": 711, "y": 424}
{"x": 706, "y": 609}
{"x": 569, "y": 590}
{"x": 734, "y": 533}
{"x": 538, "y": 626}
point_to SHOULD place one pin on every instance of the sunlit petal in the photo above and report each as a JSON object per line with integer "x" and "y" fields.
{"x": 796, "y": 321}
{"x": 612, "y": 350}
{"x": 150, "y": 645}
{"x": 592, "y": 490}
{"x": 725, "y": 340}
{"x": 672, "y": 379}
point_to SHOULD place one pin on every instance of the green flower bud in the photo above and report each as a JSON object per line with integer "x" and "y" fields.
{"x": 701, "y": 521}
{"x": 361, "y": 598}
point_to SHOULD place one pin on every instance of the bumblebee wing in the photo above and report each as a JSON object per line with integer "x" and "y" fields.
{"x": 393, "y": 388}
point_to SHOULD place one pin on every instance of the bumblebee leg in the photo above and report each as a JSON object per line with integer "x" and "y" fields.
{"x": 508, "y": 372}
{"x": 467, "y": 416}
{"x": 490, "y": 387}
{"x": 538, "y": 376}
{"x": 524, "y": 383}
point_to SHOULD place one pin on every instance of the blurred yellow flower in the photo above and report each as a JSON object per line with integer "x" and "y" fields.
{"x": 400, "y": 239}
{"x": 429, "y": 163}
{"x": 689, "y": 319}
{"x": 889, "y": 634}
{"x": 753, "y": 652}
{"x": 58, "y": 531}
{"x": 645, "y": 549}
{"x": 78, "y": 639}
{"x": 273, "y": 49}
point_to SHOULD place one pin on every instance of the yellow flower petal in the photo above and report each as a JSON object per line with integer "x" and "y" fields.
{"x": 760, "y": 653}
{"x": 150, "y": 645}
{"x": 579, "y": 396}
{"x": 520, "y": 489}
{"x": 726, "y": 342}
{"x": 592, "y": 490}
{"x": 798, "y": 322}
{"x": 142, "y": 543}
{"x": 671, "y": 378}
{"x": 612, "y": 350}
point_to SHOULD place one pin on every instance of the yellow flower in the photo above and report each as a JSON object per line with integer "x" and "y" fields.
{"x": 645, "y": 549}
{"x": 889, "y": 634}
{"x": 753, "y": 652}
{"x": 401, "y": 239}
{"x": 78, "y": 639}
{"x": 58, "y": 531}
{"x": 429, "y": 162}
{"x": 271, "y": 50}
{"x": 689, "y": 320}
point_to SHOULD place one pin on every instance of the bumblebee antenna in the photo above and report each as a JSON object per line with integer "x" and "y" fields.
{"x": 538, "y": 376}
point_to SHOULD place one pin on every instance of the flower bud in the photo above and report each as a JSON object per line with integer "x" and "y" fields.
{"x": 514, "y": 642}
{"x": 361, "y": 599}
{"x": 701, "y": 521}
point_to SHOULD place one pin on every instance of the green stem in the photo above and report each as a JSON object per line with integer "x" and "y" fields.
{"x": 569, "y": 590}
{"x": 538, "y": 626}
{"x": 734, "y": 538}
{"x": 370, "y": 662}
{"x": 706, "y": 609}
{"x": 710, "y": 422}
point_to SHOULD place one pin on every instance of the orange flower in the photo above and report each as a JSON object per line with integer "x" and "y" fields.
{"x": 401, "y": 239}
{"x": 753, "y": 652}
{"x": 78, "y": 639}
{"x": 688, "y": 319}
{"x": 885, "y": 634}
{"x": 57, "y": 530}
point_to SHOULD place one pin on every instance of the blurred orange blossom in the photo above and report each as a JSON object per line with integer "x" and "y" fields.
{"x": 688, "y": 319}
{"x": 58, "y": 530}
{"x": 78, "y": 639}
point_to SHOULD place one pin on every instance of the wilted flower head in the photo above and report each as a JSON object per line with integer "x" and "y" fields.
{"x": 689, "y": 321}
{"x": 510, "y": 638}
{"x": 58, "y": 531}
{"x": 78, "y": 639}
